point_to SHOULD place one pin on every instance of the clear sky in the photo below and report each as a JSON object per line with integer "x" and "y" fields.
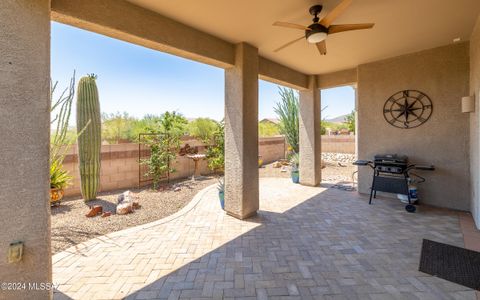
{"x": 142, "y": 81}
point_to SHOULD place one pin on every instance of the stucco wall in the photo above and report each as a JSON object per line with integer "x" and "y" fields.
{"x": 475, "y": 123}
{"x": 24, "y": 136}
{"x": 441, "y": 73}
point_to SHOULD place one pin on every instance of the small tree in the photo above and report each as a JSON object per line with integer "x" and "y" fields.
{"x": 350, "y": 121}
{"x": 202, "y": 128}
{"x": 287, "y": 111}
{"x": 216, "y": 151}
{"x": 268, "y": 129}
{"x": 164, "y": 145}
{"x": 117, "y": 127}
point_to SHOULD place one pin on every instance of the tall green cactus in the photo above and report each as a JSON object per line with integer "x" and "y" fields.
{"x": 89, "y": 142}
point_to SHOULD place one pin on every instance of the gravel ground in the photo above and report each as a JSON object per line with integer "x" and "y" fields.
{"x": 71, "y": 227}
{"x": 337, "y": 168}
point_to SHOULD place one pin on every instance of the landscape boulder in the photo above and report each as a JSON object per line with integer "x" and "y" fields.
{"x": 126, "y": 203}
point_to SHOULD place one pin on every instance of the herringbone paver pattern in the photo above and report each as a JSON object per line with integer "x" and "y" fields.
{"x": 305, "y": 243}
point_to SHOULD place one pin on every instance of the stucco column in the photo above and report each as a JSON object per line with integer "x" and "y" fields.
{"x": 241, "y": 133}
{"x": 310, "y": 135}
{"x": 24, "y": 140}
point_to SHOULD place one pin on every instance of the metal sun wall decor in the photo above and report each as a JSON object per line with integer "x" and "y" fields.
{"x": 407, "y": 109}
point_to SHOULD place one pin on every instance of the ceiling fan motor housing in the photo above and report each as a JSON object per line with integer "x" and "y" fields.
{"x": 317, "y": 33}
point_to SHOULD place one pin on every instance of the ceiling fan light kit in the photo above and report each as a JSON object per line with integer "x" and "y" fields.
{"x": 316, "y": 34}
{"x": 318, "y": 31}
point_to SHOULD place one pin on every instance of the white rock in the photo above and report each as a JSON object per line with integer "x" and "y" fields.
{"x": 124, "y": 208}
{"x": 125, "y": 197}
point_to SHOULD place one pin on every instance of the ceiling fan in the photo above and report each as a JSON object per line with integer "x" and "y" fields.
{"x": 317, "y": 32}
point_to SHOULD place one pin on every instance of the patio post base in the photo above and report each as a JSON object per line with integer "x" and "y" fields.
{"x": 242, "y": 217}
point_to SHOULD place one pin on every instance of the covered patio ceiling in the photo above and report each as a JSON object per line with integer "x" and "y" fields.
{"x": 402, "y": 26}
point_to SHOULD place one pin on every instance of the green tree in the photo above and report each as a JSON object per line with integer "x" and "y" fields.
{"x": 164, "y": 144}
{"x": 268, "y": 129}
{"x": 216, "y": 150}
{"x": 287, "y": 111}
{"x": 117, "y": 127}
{"x": 202, "y": 128}
{"x": 350, "y": 121}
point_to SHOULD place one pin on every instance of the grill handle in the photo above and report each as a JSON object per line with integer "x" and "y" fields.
{"x": 425, "y": 167}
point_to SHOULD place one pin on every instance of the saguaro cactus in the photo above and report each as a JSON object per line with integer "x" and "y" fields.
{"x": 89, "y": 142}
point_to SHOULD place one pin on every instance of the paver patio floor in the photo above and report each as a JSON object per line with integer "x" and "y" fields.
{"x": 305, "y": 243}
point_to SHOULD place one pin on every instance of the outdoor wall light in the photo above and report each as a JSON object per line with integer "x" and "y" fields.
{"x": 468, "y": 104}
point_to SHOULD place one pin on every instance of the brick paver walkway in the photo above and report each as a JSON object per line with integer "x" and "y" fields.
{"x": 305, "y": 243}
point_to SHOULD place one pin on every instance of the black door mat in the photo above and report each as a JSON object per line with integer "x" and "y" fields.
{"x": 451, "y": 263}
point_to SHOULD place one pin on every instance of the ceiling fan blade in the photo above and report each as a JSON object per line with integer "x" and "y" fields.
{"x": 288, "y": 44}
{"x": 322, "y": 47}
{"x": 347, "y": 27}
{"x": 335, "y": 13}
{"x": 291, "y": 25}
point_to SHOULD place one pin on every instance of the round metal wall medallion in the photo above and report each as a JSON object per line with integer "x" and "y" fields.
{"x": 407, "y": 109}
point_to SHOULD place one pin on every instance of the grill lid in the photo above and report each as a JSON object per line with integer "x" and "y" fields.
{"x": 390, "y": 159}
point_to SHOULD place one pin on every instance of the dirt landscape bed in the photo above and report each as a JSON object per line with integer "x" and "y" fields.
{"x": 71, "y": 227}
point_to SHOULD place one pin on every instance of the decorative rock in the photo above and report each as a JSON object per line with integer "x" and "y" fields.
{"x": 136, "y": 205}
{"x": 125, "y": 197}
{"x": 126, "y": 203}
{"x": 176, "y": 189}
{"x": 106, "y": 214}
{"x": 124, "y": 208}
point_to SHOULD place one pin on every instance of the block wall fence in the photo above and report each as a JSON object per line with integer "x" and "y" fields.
{"x": 120, "y": 167}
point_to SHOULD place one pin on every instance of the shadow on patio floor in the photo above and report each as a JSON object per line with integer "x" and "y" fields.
{"x": 331, "y": 245}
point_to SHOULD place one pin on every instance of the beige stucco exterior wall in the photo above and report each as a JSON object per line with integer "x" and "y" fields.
{"x": 241, "y": 134}
{"x": 24, "y": 136}
{"x": 336, "y": 79}
{"x": 309, "y": 135}
{"x": 441, "y": 73}
{"x": 475, "y": 123}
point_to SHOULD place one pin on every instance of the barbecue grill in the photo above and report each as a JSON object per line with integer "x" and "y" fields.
{"x": 391, "y": 173}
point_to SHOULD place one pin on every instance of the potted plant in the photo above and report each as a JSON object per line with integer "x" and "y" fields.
{"x": 221, "y": 192}
{"x": 294, "y": 162}
{"x": 59, "y": 180}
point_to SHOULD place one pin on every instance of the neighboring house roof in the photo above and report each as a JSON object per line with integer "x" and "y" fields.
{"x": 271, "y": 120}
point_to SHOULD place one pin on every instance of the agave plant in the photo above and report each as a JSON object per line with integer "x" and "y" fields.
{"x": 295, "y": 161}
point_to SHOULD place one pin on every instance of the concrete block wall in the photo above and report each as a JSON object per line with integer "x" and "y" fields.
{"x": 271, "y": 148}
{"x": 338, "y": 143}
{"x": 120, "y": 167}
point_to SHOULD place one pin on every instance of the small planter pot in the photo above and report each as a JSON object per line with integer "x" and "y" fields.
{"x": 56, "y": 196}
{"x": 221, "y": 197}
{"x": 260, "y": 161}
{"x": 295, "y": 176}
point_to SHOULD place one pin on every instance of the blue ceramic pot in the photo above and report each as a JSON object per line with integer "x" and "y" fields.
{"x": 221, "y": 196}
{"x": 295, "y": 176}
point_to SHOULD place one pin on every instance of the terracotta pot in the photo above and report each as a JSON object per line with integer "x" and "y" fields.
{"x": 56, "y": 196}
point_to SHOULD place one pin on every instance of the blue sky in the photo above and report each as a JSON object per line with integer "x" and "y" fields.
{"x": 142, "y": 81}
